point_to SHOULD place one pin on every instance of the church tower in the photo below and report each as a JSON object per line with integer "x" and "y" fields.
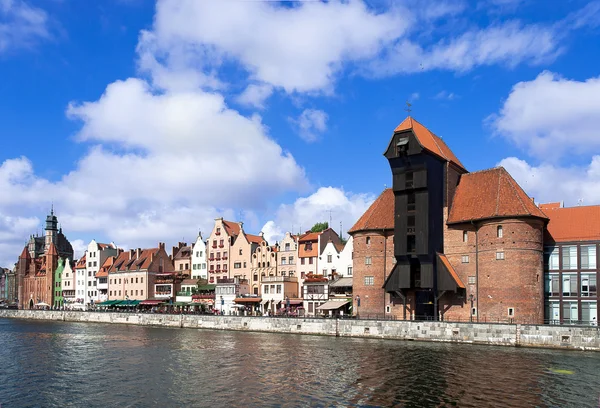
{"x": 51, "y": 230}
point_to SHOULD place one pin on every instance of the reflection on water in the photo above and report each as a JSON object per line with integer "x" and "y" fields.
{"x": 49, "y": 364}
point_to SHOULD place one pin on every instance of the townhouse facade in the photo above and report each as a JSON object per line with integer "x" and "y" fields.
{"x": 140, "y": 274}
{"x": 226, "y": 291}
{"x": 219, "y": 245}
{"x": 68, "y": 284}
{"x": 242, "y": 252}
{"x": 96, "y": 255}
{"x": 182, "y": 259}
{"x": 199, "y": 259}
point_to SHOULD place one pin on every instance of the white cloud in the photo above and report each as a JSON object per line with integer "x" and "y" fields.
{"x": 509, "y": 44}
{"x": 551, "y": 116}
{"x": 445, "y": 95}
{"x": 255, "y": 95}
{"x": 551, "y": 183}
{"x": 310, "y": 124}
{"x": 298, "y": 48}
{"x": 300, "y": 216}
{"x": 21, "y": 25}
{"x": 414, "y": 96}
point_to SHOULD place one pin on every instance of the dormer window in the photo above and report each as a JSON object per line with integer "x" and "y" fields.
{"x": 402, "y": 146}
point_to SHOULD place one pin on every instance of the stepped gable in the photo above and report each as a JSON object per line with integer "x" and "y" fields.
{"x": 429, "y": 141}
{"x": 379, "y": 216}
{"x": 573, "y": 224}
{"x": 491, "y": 194}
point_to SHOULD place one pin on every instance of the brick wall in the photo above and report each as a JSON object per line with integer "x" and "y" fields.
{"x": 515, "y": 282}
{"x": 373, "y": 299}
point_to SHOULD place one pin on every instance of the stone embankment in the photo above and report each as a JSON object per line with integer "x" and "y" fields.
{"x": 515, "y": 335}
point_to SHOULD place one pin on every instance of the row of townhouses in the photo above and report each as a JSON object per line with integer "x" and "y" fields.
{"x": 442, "y": 243}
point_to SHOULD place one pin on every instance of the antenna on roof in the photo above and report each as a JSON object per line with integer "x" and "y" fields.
{"x": 580, "y": 201}
{"x": 329, "y": 225}
{"x": 341, "y": 230}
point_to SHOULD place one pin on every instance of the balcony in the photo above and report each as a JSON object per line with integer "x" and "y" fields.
{"x": 224, "y": 257}
{"x": 212, "y": 258}
{"x": 221, "y": 246}
{"x": 214, "y": 245}
{"x": 163, "y": 295}
{"x": 218, "y": 258}
{"x": 279, "y": 279}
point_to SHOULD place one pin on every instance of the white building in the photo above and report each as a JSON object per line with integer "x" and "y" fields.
{"x": 226, "y": 291}
{"x": 68, "y": 285}
{"x": 80, "y": 283}
{"x": 97, "y": 288}
{"x": 276, "y": 290}
{"x": 336, "y": 259}
{"x": 199, "y": 259}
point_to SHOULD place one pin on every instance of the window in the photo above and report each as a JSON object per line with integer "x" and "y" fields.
{"x": 329, "y": 258}
{"x": 410, "y": 202}
{"x": 465, "y": 236}
{"x": 278, "y": 288}
{"x": 237, "y": 265}
{"x": 588, "y": 284}
{"x": 511, "y": 310}
{"x": 287, "y": 246}
{"x": 194, "y": 267}
{"x": 500, "y": 256}
{"x": 310, "y": 260}
{"x": 244, "y": 264}
{"x": 569, "y": 287}
{"x": 284, "y": 261}
{"x": 142, "y": 281}
{"x": 369, "y": 280}
{"x": 368, "y": 240}
{"x": 200, "y": 253}
{"x": 291, "y": 259}
{"x": 240, "y": 251}
{"x": 588, "y": 257}
{"x": 474, "y": 311}
{"x": 187, "y": 266}
{"x": 589, "y": 310}
{"x": 181, "y": 267}
{"x": 90, "y": 273}
{"x": 110, "y": 293}
{"x": 310, "y": 307}
{"x": 315, "y": 289}
{"x": 471, "y": 280}
{"x": 141, "y": 293}
{"x": 218, "y": 231}
{"x": 552, "y": 284}
{"x": 136, "y": 292}
{"x": 569, "y": 257}
{"x": 349, "y": 271}
{"x": 367, "y": 260}
{"x": 551, "y": 258}
{"x": 570, "y": 312}
{"x": 465, "y": 259}
{"x": 272, "y": 288}
{"x": 411, "y": 244}
{"x": 499, "y": 231}
{"x": 221, "y": 244}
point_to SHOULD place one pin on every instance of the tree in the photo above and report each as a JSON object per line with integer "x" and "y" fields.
{"x": 319, "y": 227}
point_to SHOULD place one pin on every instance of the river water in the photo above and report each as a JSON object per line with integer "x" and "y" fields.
{"x": 53, "y": 364}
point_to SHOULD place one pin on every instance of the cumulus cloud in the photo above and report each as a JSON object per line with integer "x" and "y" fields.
{"x": 255, "y": 95}
{"x": 551, "y": 116}
{"x": 551, "y": 183}
{"x": 300, "y": 216}
{"x": 21, "y": 25}
{"x": 310, "y": 124}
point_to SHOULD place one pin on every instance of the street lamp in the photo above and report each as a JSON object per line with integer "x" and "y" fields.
{"x": 471, "y": 298}
{"x": 357, "y": 306}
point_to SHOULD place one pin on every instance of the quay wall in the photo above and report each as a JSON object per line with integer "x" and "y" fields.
{"x": 514, "y": 335}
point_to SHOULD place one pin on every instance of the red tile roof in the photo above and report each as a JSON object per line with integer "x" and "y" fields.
{"x": 573, "y": 224}
{"x": 309, "y": 236}
{"x": 256, "y": 239}
{"x": 103, "y": 272}
{"x": 25, "y": 253}
{"x": 123, "y": 262}
{"x": 432, "y": 143}
{"x": 80, "y": 263}
{"x": 488, "y": 194}
{"x": 232, "y": 228}
{"x": 380, "y": 215}
{"x": 451, "y": 270}
{"x": 550, "y": 206}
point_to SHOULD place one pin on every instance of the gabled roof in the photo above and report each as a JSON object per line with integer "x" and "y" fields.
{"x": 489, "y": 194}
{"x": 430, "y": 142}
{"x": 379, "y": 216}
{"x": 309, "y": 236}
{"x": 550, "y": 206}
{"x": 256, "y": 239}
{"x": 573, "y": 224}
{"x": 80, "y": 263}
{"x": 52, "y": 249}
{"x": 103, "y": 272}
{"x": 232, "y": 228}
{"x": 25, "y": 253}
{"x": 142, "y": 262}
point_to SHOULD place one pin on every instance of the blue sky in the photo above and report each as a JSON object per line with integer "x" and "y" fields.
{"x": 144, "y": 122}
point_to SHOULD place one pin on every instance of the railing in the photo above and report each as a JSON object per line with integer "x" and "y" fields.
{"x": 279, "y": 279}
{"x": 163, "y": 281}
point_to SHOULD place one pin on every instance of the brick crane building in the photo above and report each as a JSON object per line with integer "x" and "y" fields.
{"x": 444, "y": 243}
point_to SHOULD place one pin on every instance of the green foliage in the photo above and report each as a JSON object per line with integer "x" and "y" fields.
{"x": 319, "y": 227}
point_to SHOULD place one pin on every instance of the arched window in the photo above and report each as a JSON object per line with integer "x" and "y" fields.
{"x": 499, "y": 231}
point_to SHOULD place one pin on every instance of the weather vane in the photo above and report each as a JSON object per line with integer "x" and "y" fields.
{"x": 408, "y": 107}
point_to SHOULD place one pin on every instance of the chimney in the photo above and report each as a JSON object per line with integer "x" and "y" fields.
{"x": 138, "y": 252}
{"x": 262, "y": 234}
{"x": 175, "y": 250}
{"x": 151, "y": 256}
{"x": 161, "y": 245}
{"x": 131, "y": 252}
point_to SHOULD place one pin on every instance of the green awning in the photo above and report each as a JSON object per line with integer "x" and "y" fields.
{"x": 195, "y": 304}
{"x": 127, "y": 303}
{"x": 108, "y": 303}
{"x": 180, "y": 303}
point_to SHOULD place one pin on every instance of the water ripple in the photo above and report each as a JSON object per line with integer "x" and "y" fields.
{"x": 50, "y": 364}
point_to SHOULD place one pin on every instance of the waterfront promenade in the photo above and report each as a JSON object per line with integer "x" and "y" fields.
{"x": 513, "y": 335}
